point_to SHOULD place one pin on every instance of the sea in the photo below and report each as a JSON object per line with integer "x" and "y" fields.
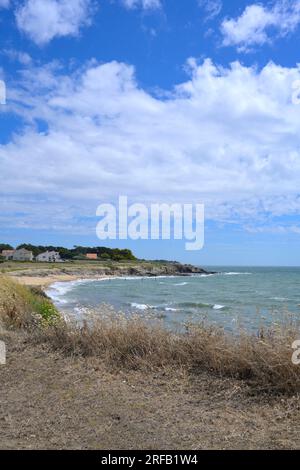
{"x": 248, "y": 298}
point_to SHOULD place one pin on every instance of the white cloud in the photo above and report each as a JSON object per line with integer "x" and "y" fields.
{"x": 43, "y": 20}
{"x": 20, "y": 56}
{"x": 278, "y": 229}
{"x": 211, "y": 7}
{"x": 259, "y": 24}
{"x": 145, "y": 4}
{"x": 4, "y": 3}
{"x": 227, "y": 136}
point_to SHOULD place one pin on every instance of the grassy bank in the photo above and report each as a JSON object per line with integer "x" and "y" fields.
{"x": 118, "y": 384}
{"x": 263, "y": 361}
{"x": 24, "y": 307}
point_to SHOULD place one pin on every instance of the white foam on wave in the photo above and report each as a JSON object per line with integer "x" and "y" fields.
{"x": 280, "y": 299}
{"x": 181, "y": 284}
{"x": 234, "y": 273}
{"x": 152, "y": 307}
{"x": 218, "y": 307}
{"x": 81, "y": 310}
{"x": 58, "y": 290}
{"x": 141, "y": 306}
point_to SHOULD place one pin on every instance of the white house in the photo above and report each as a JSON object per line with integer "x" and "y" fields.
{"x": 8, "y": 254}
{"x": 49, "y": 257}
{"x": 22, "y": 255}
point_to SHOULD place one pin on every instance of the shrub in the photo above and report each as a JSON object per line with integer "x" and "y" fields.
{"x": 20, "y": 306}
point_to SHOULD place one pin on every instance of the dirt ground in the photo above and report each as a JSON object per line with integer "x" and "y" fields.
{"x": 48, "y": 401}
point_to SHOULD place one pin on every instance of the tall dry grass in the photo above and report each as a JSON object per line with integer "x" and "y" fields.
{"x": 264, "y": 360}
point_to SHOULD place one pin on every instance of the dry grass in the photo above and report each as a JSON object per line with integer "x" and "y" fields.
{"x": 114, "y": 383}
{"x": 49, "y": 400}
{"x": 264, "y": 361}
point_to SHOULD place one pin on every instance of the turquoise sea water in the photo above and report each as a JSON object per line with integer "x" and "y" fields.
{"x": 235, "y": 297}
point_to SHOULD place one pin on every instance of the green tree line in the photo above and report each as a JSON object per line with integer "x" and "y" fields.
{"x": 77, "y": 252}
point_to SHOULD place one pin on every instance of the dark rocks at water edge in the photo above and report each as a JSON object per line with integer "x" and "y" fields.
{"x": 167, "y": 269}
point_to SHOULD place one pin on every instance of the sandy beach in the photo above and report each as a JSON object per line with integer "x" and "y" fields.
{"x": 43, "y": 282}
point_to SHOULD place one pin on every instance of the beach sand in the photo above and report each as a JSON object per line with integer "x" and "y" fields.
{"x": 46, "y": 281}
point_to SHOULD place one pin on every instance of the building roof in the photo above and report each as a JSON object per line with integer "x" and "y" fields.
{"x": 22, "y": 250}
{"x": 7, "y": 252}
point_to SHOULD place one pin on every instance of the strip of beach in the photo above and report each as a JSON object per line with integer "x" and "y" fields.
{"x": 43, "y": 275}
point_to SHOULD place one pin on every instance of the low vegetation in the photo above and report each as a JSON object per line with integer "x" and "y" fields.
{"x": 263, "y": 361}
{"x": 23, "y": 307}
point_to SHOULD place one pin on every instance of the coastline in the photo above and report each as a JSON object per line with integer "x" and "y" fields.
{"x": 45, "y": 282}
{"x": 43, "y": 276}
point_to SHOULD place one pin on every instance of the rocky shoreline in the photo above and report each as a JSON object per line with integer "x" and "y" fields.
{"x": 44, "y": 276}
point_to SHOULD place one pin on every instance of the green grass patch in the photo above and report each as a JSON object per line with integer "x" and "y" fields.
{"x": 21, "y": 306}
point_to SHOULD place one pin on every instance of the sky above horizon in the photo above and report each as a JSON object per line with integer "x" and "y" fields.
{"x": 164, "y": 101}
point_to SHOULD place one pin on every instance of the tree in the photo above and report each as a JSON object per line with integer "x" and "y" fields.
{"x": 5, "y": 246}
{"x": 105, "y": 256}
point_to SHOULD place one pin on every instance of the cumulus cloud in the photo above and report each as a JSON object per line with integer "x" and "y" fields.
{"x": 43, "y": 20}
{"x": 145, "y": 4}
{"x": 259, "y": 24}
{"x": 228, "y": 137}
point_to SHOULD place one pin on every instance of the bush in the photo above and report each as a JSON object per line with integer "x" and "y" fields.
{"x": 20, "y": 306}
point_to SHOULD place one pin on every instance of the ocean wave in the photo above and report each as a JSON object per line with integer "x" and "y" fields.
{"x": 166, "y": 308}
{"x": 280, "y": 299}
{"x": 81, "y": 310}
{"x": 58, "y": 290}
{"x": 183, "y": 305}
{"x": 234, "y": 273}
{"x": 200, "y": 305}
{"x": 218, "y": 307}
{"x": 142, "y": 306}
{"x": 181, "y": 284}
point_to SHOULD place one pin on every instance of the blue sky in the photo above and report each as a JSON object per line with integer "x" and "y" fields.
{"x": 161, "y": 100}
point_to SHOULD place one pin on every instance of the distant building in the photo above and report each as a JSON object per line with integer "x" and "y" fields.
{"x": 91, "y": 256}
{"x": 7, "y": 254}
{"x": 22, "y": 255}
{"x": 49, "y": 257}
